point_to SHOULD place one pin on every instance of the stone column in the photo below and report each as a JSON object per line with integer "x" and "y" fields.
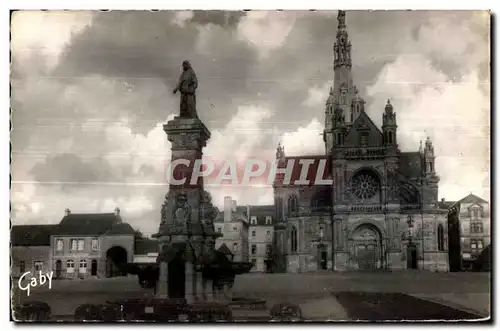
{"x": 191, "y": 280}
{"x": 162, "y": 286}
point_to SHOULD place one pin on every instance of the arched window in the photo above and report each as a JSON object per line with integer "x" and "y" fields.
{"x": 293, "y": 205}
{"x": 440, "y": 237}
{"x": 293, "y": 239}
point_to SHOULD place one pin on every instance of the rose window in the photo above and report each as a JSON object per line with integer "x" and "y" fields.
{"x": 364, "y": 186}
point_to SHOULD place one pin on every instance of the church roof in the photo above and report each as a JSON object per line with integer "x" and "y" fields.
{"x": 363, "y": 123}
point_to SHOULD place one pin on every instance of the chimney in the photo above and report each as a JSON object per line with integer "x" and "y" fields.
{"x": 233, "y": 206}
{"x": 67, "y": 212}
{"x": 443, "y": 200}
{"x": 117, "y": 211}
{"x": 227, "y": 209}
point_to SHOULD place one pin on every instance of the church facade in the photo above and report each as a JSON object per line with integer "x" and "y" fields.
{"x": 382, "y": 210}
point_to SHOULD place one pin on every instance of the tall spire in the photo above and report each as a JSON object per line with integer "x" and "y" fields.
{"x": 342, "y": 47}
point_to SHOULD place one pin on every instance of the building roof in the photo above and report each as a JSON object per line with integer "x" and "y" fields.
{"x": 120, "y": 229}
{"x": 31, "y": 235}
{"x": 87, "y": 224}
{"x": 261, "y": 212}
{"x": 145, "y": 246}
{"x": 311, "y": 174}
{"x": 471, "y": 198}
{"x": 410, "y": 165}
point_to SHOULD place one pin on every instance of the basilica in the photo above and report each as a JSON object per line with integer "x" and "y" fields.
{"x": 382, "y": 210}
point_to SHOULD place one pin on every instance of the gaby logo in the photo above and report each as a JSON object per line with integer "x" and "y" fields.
{"x": 251, "y": 172}
{"x": 26, "y": 283}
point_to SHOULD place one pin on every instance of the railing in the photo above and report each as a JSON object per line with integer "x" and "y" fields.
{"x": 410, "y": 207}
{"x": 366, "y": 208}
{"x": 368, "y": 152}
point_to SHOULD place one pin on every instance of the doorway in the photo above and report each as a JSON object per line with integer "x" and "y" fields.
{"x": 176, "y": 278}
{"x": 116, "y": 258}
{"x": 412, "y": 261}
{"x": 93, "y": 268}
{"x": 367, "y": 257}
{"x": 323, "y": 263}
{"x": 58, "y": 268}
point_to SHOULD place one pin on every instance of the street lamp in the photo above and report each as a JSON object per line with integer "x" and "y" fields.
{"x": 410, "y": 222}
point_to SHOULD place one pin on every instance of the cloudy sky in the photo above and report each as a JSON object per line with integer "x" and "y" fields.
{"x": 91, "y": 90}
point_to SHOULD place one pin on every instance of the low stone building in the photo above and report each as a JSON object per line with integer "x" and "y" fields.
{"x": 91, "y": 245}
{"x": 30, "y": 249}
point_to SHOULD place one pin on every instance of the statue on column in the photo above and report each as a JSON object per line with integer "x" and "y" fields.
{"x": 182, "y": 214}
{"x": 187, "y": 85}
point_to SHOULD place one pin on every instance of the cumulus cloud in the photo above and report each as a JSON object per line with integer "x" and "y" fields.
{"x": 266, "y": 30}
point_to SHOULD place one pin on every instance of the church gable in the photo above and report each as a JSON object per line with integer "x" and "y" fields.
{"x": 363, "y": 132}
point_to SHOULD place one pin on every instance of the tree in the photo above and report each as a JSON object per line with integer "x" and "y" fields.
{"x": 138, "y": 235}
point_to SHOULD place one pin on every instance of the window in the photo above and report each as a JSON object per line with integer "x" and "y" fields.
{"x": 253, "y": 233}
{"x": 476, "y": 244}
{"x": 74, "y": 244}
{"x": 70, "y": 266}
{"x": 253, "y": 220}
{"x": 293, "y": 205}
{"x": 475, "y": 213}
{"x": 219, "y": 229}
{"x": 321, "y": 232}
{"x": 235, "y": 248}
{"x": 269, "y": 248}
{"x": 254, "y": 249}
{"x": 59, "y": 245}
{"x": 268, "y": 234}
{"x": 269, "y": 219}
{"x": 38, "y": 266}
{"x": 293, "y": 238}
{"x": 440, "y": 237}
{"x": 254, "y": 263}
{"x": 22, "y": 267}
{"x": 95, "y": 244}
{"x": 83, "y": 266}
{"x": 476, "y": 227}
{"x": 81, "y": 245}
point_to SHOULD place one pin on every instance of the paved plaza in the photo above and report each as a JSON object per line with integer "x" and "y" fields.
{"x": 325, "y": 296}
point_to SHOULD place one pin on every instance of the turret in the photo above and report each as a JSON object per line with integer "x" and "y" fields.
{"x": 389, "y": 126}
{"x": 357, "y": 105}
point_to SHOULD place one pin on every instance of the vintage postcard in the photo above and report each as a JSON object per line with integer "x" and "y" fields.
{"x": 250, "y": 166}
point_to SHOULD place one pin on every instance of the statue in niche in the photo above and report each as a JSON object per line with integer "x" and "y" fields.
{"x": 208, "y": 210}
{"x": 182, "y": 214}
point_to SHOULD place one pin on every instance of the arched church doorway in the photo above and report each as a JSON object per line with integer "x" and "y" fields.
{"x": 116, "y": 258}
{"x": 366, "y": 248}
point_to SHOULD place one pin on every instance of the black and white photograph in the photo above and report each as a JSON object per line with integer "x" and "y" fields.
{"x": 246, "y": 166}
